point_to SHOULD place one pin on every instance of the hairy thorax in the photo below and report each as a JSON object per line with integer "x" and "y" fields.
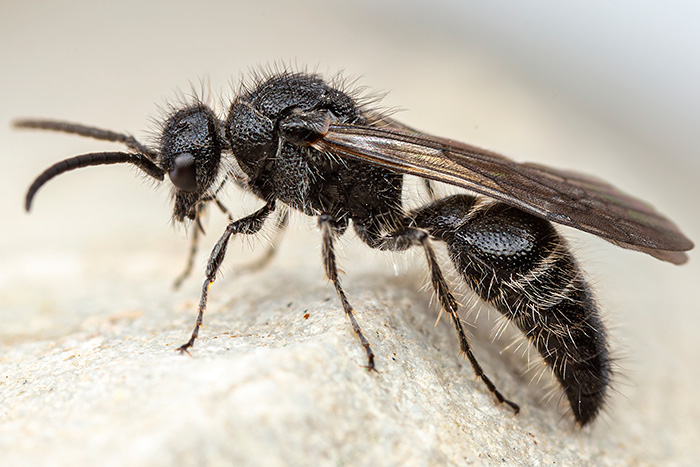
{"x": 301, "y": 176}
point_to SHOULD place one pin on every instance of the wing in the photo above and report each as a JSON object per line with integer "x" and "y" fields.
{"x": 567, "y": 198}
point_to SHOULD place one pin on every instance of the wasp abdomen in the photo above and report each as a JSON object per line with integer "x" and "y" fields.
{"x": 520, "y": 265}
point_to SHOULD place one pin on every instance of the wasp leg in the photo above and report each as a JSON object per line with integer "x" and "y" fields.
{"x": 246, "y": 226}
{"x": 254, "y": 266}
{"x": 409, "y": 236}
{"x": 223, "y": 208}
{"x": 194, "y": 242}
{"x": 520, "y": 265}
{"x": 330, "y": 228}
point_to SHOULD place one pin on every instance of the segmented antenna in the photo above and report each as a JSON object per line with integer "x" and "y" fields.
{"x": 96, "y": 158}
{"x": 88, "y": 131}
{"x": 144, "y": 158}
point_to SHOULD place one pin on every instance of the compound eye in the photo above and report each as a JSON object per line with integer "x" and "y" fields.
{"x": 183, "y": 172}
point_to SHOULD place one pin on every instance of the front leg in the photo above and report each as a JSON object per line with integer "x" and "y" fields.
{"x": 197, "y": 228}
{"x": 194, "y": 242}
{"x": 248, "y": 225}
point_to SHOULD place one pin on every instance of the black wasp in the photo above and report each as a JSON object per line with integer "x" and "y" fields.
{"x": 296, "y": 141}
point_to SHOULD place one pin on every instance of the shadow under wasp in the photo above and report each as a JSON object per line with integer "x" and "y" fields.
{"x": 297, "y": 141}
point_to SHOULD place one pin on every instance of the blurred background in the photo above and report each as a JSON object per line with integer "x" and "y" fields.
{"x": 606, "y": 88}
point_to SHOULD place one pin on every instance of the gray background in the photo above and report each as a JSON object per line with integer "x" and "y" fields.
{"x": 89, "y": 319}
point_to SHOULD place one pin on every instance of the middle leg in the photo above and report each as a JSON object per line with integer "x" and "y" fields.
{"x": 329, "y": 230}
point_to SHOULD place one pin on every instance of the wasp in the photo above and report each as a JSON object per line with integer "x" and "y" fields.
{"x": 296, "y": 141}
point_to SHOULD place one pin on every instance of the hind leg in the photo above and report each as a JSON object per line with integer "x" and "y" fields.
{"x": 406, "y": 237}
{"x": 520, "y": 265}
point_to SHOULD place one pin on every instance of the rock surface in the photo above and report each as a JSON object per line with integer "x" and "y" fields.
{"x": 277, "y": 378}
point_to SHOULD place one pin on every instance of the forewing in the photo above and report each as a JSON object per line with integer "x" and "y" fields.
{"x": 567, "y": 198}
